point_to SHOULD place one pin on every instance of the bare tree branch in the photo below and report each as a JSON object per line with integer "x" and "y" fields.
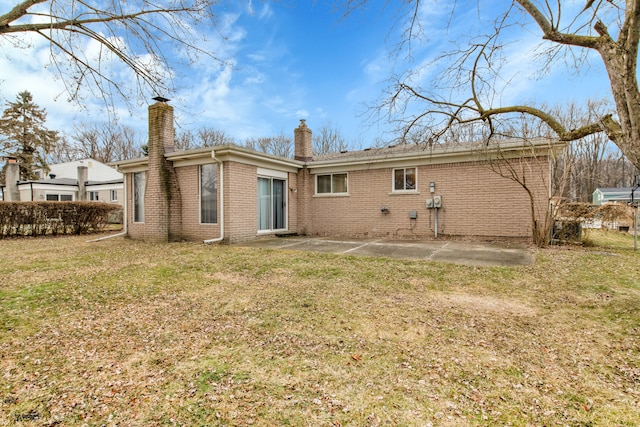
{"x": 467, "y": 87}
{"x": 137, "y": 33}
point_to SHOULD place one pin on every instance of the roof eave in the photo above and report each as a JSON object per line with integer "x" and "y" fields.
{"x": 435, "y": 156}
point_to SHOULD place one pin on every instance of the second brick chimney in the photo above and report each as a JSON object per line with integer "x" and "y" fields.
{"x": 12, "y": 176}
{"x": 302, "y": 142}
{"x": 83, "y": 174}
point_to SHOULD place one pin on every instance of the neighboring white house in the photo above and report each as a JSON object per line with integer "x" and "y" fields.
{"x": 96, "y": 171}
{"x": 86, "y": 179}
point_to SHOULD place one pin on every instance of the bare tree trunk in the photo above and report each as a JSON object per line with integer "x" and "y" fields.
{"x": 624, "y": 87}
{"x": 620, "y": 60}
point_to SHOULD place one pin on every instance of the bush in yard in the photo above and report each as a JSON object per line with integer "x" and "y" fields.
{"x": 53, "y": 218}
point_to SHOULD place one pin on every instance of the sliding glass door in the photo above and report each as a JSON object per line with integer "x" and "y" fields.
{"x": 272, "y": 204}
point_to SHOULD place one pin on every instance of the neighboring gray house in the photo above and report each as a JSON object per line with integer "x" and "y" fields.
{"x": 614, "y": 195}
{"x": 86, "y": 179}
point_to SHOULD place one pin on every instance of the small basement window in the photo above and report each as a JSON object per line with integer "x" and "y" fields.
{"x": 59, "y": 197}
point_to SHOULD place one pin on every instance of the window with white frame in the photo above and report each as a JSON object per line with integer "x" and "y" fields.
{"x": 208, "y": 194}
{"x": 272, "y": 203}
{"x": 405, "y": 179}
{"x": 139, "y": 182}
{"x": 59, "y": 197}
{"x": 114, "y": 195}
{"x": 93, "y": 195}
{"x": 333, "y": 183}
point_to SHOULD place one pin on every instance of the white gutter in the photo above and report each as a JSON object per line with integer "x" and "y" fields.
{"x": 219, "y": 239}
{"x": 125, "y": 205}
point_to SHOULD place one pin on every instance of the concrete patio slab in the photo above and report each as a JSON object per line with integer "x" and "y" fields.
{"x": 465, "y": 253}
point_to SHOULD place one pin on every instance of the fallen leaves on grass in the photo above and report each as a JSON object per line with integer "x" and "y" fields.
{"x": 121, "y": 332}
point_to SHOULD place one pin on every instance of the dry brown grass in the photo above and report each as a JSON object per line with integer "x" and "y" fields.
{"x": 125, "y": 333}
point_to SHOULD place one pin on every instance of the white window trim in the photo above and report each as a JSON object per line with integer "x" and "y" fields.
{"x": 331, "y": 194}
{"x": 393, "y": 181}
{"x": 133, "y": 196}
{"x": 112, "y": 193}
{"x": 270, "y": 173}
{"x": 283, "y": 176}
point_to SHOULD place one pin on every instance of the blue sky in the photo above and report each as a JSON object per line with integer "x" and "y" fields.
{"x": 296, "y": 60}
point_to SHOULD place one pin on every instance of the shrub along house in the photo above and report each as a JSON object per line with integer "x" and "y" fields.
{"x": 229, "y": 193}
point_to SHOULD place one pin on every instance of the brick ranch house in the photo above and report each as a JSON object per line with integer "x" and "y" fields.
{"x": 232, "y": 194}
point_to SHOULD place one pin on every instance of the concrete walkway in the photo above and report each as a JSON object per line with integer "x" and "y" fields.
{"x": 466, "y": 253}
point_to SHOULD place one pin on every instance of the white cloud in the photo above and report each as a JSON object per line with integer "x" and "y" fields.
{"x": 256, "y": 78}
{"x": 377, "y": 68}
{"x": 266, "y": 12}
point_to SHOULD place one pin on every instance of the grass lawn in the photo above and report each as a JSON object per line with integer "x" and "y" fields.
{"x": 120, "y": 332}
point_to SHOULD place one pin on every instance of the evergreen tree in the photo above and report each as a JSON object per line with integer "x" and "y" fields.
{"x": 23, "y": 135}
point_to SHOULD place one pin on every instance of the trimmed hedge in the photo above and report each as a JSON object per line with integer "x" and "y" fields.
{"x": 53, "y": 218}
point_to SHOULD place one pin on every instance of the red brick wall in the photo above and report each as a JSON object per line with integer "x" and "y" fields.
{"x": 192, "y": 229}
{"x": 476, "y": 202}
{"x": 241, "y": 195}
{"x": 292, "y": 202}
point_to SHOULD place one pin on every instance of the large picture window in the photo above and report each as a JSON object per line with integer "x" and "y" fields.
{"x": 405, "y": 179}
{"x": 139, "y": 183}
{"x": 335, "y": 183}
{"x": 208, "y": 194}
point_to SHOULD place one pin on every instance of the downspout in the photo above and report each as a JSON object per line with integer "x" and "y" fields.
{"x": 125, "y": 216}
{"x": 436, "y": 223}
{"x": 219, "y": 239}
{"x": 31, "y": 185}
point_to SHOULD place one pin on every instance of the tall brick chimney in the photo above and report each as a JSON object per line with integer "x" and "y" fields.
{"x": 12, "y": 176}
{"x": 302, "y": 142}
{"x": 162, "y": 192}
{"x": 83, "y": 175}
